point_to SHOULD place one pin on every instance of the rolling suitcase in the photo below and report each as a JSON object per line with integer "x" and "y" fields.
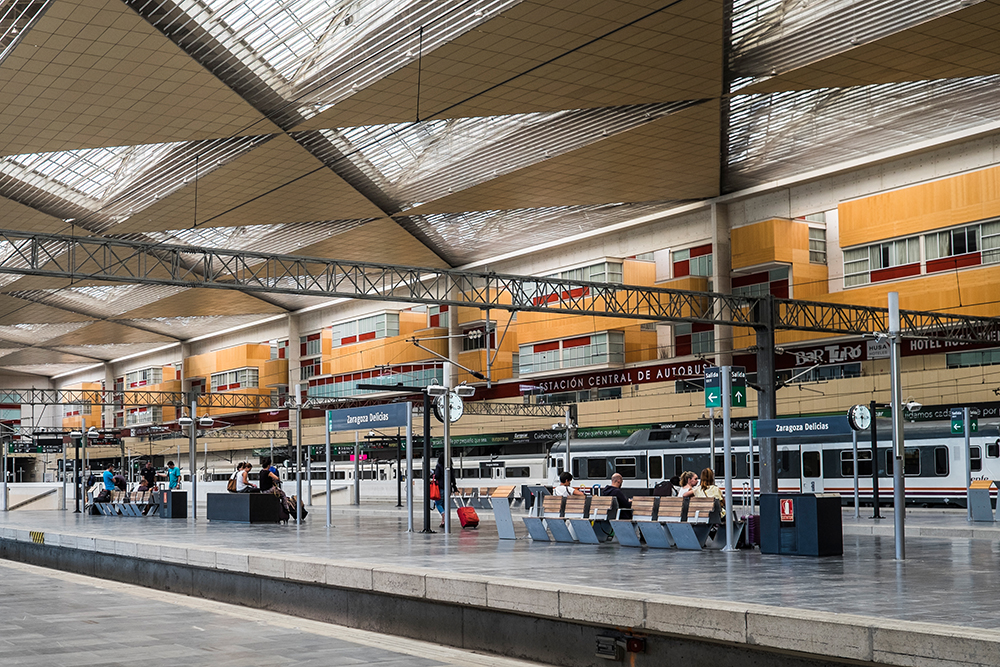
{"x": 468, "y": 517}
{"x": 753, "y": 530}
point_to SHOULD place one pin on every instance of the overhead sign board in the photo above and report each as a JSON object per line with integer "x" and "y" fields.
{"x": 738, "y": 374}
{"x": 390, "y": 415}
{"x": 38, "y": 446}
{"x": 738, "y": 387}
{"x": 802, "y": 427}
{"x": 713, "y": 387}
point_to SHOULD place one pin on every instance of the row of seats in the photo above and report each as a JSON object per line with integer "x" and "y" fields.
{"x": 144, "y": 503}
{"x": 662, "y": 522}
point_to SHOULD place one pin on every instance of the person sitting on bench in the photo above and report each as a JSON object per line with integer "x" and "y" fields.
{"x": 615, "y": 490}
{"x": 564, "y": 488}
{"x": 689, "y": 482}
{"x": 243, "y": 484}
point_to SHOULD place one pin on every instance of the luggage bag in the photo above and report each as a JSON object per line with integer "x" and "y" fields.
{"x": 468, "y": 517}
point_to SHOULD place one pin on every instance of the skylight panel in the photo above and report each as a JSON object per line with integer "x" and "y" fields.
{"x": 16, "y": 18}
{"x": 413, "y": 163}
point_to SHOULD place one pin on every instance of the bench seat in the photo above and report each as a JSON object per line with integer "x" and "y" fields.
{"x": 244, "y": 507}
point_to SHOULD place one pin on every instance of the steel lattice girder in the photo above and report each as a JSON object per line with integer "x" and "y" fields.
{"x": 95, "y": 258}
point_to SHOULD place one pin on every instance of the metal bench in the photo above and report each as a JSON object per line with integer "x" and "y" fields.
{"x": 595, "y": 526}
{"x": 643, "y": 510}
{"x": 653, "y": 528}
{"x": 551, "y": 506}
{"x": 689, "y": 520}
{"x": 573, "y": 509}
{"x": 124, "y": 504}
{"x": 500, "y": 501}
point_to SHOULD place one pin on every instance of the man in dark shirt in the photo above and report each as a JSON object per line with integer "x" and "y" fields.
{"x": 616, "y": 490}
{"x": 148, "y": 473}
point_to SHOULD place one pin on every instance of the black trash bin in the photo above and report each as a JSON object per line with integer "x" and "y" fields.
{"x": 801, "y": 524}
{"x": 173, "y": 504}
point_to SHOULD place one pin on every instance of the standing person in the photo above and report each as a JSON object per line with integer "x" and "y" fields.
{"x": 708, "y": 489}
{"x": 108, "y": 477}
{"x": 564, "y": 488}
{"x": 615, "y": 490}
{"x": 148, "y": 473}
{"x": 689, "y": 481}
{"x": 173, "y": 476}
{"x": 439, "y": 478}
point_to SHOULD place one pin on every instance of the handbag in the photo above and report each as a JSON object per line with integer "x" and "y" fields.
{"x": 231, "y": 486}
{"x": 435, "y": 491}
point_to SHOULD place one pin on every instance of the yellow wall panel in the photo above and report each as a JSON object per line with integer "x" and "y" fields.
{"x": 920, "y": 208}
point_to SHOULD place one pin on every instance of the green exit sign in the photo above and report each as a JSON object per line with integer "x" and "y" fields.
{"x": 958, "y": 426}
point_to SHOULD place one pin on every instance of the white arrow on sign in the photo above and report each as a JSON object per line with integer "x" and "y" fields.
{"x": 739, "y": 396}
{"x": 711, "y": 397}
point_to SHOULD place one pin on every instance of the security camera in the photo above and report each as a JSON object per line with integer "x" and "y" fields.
{"x": 371, "y": 434}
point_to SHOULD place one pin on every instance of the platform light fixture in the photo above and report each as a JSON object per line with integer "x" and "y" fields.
{"x": 465, "y": 391}
{"x": 184, "y": 422}
{"x": 436, "y": 390}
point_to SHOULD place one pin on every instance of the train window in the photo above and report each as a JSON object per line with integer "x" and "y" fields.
{"x": 993, "y": 450}
{"x": 940, "y": 460}
{"x": 720, "y": 462}
{"x": 655, "y": 466}
{"x": 976, "y": 458}
{"x": 339, "y": 474}
{"x": 576, "y": 467}
{"x": 756, "y": 465}
{"x": 911, "y": 462}
{"x": 660, "y": 435}
{"x": 470, "y": 472}
{"x": 787, "y": 464}
{"x": 626, "y": 467}
{"x": 598, "y": 468}
{"x": 811, "y": 465}
{"x": 847, "y": 463}
{"x": 678, "y": 466}
{"x": 518, "y": 471}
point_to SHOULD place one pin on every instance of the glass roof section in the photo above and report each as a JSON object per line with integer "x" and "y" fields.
{"x": 284, "y": 238}
{"x": 16, "y": 18}
{"x": 99, "y": 187}
{"x": 775, "y": 36}
{"x": 35, "y": 333}
{"x": 100, "y": 300}
{"x": 468, "y": 237}
{"x": 313, "y": 53}
{"x": 414, "y": 163}
{"x": 777, "y": 135}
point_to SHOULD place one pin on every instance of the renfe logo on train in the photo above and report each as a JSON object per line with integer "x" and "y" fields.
{"x": 787, "y": 509}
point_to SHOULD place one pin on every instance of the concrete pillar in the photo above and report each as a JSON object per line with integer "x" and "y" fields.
{"x": 722, "y": 268}
{"x": 767, "y": 404}
{"x": 454, "y": 347}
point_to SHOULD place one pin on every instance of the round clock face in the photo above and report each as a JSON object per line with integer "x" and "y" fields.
{"x": 859, "y": 417}
{"x": 455, "y": 407}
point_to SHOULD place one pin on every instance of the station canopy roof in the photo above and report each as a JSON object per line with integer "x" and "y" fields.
{"x": 431, "y": 132}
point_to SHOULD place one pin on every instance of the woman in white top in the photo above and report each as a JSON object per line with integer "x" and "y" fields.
{"x": 564, "y": 489}
{"x": 243, "y": 484}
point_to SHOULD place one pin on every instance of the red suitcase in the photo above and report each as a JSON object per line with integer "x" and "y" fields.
{"x": 468, "y": 517}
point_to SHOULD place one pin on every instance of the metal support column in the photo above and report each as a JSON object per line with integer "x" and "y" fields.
{"x": 727, "y": 449}
{"x": 967, "y": 417}
{"x": 857, "y": 492}
{"x": 409, "y": 468}
{"x": 876, "y": 513}
{"x": 192, "y": 456}
{"x": 767, "y": 405}
{"x": 298, "y": 456}
{"x": 329, "y": 474}
{"x": 898, "y": 446}
{"x": 446, "y": 489}
{"x": 566, "y": 460}
{"x": 399, "y": 470}
{"x": 357, "y": 471}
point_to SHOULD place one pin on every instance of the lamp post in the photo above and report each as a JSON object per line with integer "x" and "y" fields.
{"x": 193, "y": 424}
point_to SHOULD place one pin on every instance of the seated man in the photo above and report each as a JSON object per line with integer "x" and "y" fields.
{"x": 615, "y": 489}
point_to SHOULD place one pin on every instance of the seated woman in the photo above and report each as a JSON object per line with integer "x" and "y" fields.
{"x": 231, "y": 486}
{"x": 271, "y": 483}
{"x": 708, "y": 489}
{"x": 689, "y": 482}
{"x": 243, "y": 484}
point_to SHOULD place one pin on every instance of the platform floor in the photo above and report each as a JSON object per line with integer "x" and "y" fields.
{"x": 943, "y": 579}
{"x": 50, "y": 618}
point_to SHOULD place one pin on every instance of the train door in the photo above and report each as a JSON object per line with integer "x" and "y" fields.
{"x": 812, "y": 468}
{"x": 655, "y": 472}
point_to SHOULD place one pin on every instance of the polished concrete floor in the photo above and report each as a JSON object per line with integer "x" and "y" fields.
{"x": 50, "y": 619}
{"x": 951, "y": 580}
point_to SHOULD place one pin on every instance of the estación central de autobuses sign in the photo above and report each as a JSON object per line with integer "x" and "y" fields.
{"x": 839, "y": 352}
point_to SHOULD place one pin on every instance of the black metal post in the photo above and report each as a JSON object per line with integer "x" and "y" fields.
{"x": 399, "y": 472}
{"x": 77, "y": 474}
{"x": 875, "y": 511}
{"x": 427, "y": 464}
{"x": 767, "y": 403}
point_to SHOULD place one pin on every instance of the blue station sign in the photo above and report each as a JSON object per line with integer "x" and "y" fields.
{"x": 360, "y": 419}
{"x": 803, "y": 427}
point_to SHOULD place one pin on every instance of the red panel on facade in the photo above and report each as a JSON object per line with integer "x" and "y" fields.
{"x": 683, "y": 345}
{"x": 702, "y": 250}
{"x": 894, "y": 272}
{"x": 546, "y": 347}
{"x": 576, "y": 342}
{"x": 368, "y": 335}
{"x": 956, "y": 262}
{"x": 698, "y": 327}
{"x": 779, "y": 288}
{"x": 681, "y": 268}
{"x": 348, "y": 340}
{"x": 435, "y": 320}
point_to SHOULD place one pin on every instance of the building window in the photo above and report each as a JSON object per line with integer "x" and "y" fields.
{"x": 975, "y": 358}
{"x": 694, "y": 339}
{"x": 817, "y": 245}
{"x": 476, "y": 338}
{"x": 882, "y": 261}
{"x": 198, "y": 386}
{"x": 966, "y": 246}
{"x": 366, "y": 328}
{"x": 144, "y": 415}
{"x": 604, "y": 272}
{"x": 76, "y": 410}
{"x": 437, "y": 316}
{"x": 693, "y": 261}
{"x": 345, "y": 385}
{"x": 279, "y": 349}
{"x": 773, "y": 282}
{"x": 602, "y": 348}
{"x": 311, "y": 345}
{"x": 310, "y": 367}
{"x": 241, "y": 378}
{"x": 143, "y": 377}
